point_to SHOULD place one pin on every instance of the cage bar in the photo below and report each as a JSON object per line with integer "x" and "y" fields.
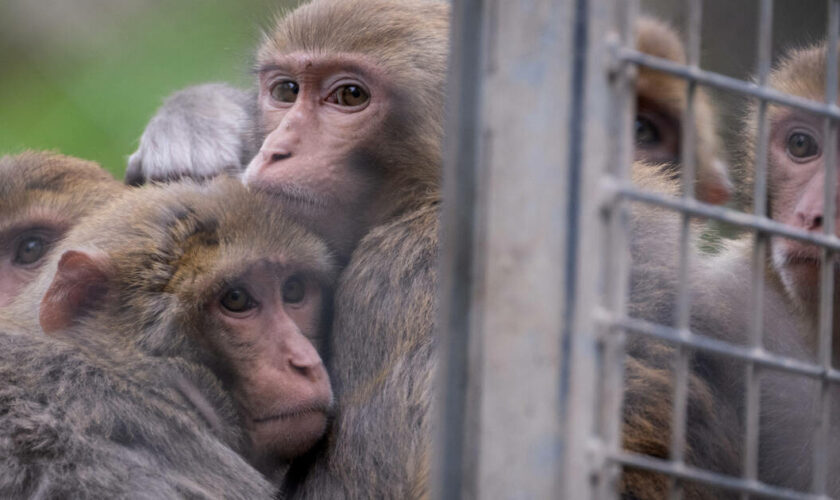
{"x": 504, "y": 280}
{"x": 759, "y": 258}
{"x": 535, "y": 261}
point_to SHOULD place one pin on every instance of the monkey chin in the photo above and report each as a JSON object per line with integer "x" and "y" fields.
{"x": 288, "y": 435}
{"x": 798, "y": 266}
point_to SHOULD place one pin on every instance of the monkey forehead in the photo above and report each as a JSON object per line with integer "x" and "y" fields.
{"x": 53, "y": 186}
{"x": 802, "y": 72}
{"x": 299, "y": 62}
{"x": 153, "y": 232}
{"x": 658, "y": 39}
{"x": 397, "y": 33}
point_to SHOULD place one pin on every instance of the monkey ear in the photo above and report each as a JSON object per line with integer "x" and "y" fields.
{"x": 79, "y": 283}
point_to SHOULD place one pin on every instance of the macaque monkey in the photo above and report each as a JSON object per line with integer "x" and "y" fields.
{"x": 721, "y": 291}
{"x": 661, "y": 102}
{"x": 349, "y": 125}
{"x": 176, "y": 357}
{"x": 42, "y": 195}
{"x": 345, "y": 131}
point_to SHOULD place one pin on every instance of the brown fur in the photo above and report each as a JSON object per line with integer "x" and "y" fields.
{"x": 382, "y": 345}
{"x": 668, "y": 95}
{"x": 649, "y": 365}
{"x": 49, "y": 193}
{"x": 133, "y": 397}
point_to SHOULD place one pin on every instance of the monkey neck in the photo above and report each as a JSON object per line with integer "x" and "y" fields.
{"x": 805, "y": 303}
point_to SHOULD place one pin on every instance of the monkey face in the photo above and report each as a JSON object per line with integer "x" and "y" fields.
{"x": 317, "y": 114}
{"x": 42, "y": 195}
{"x": 797, "y": 174}
{"x": 23, "y": 249}
{"x": 657, "y": 135}
{"x": 269, "y": 319}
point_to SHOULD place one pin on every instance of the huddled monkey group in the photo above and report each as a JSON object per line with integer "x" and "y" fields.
{"x": 253, "y": 313}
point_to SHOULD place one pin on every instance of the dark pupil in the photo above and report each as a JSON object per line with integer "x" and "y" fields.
{"x": 286, "y": 91}
{"x": 646, "y": 132}
{"x": 30, "y": 250}
{"x": 293, "y": 291}
{"x": 802, "y": 145}
{"x": 352, "y": 95}
{"x": 236, "y": 300}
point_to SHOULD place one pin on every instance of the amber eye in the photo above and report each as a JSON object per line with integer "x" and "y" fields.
{"x": 646, "y": 132}
{"x": 285, "y": 91}
{"x": 802, "y": 145}
{"x": 30, "y": 250}
{"x": 237, "y": 300}
{"x": 350, "y": 96}
{"x": 293, "y": 290}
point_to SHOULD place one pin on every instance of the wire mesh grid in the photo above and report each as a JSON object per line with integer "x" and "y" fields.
{"x": 617, "y": 325}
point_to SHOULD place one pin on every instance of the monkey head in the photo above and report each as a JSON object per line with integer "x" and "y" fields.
{"x": 350, "y": 103}
{"x": 661, "y": 103}
{"x": 796, "y": 171}
{"x": 42, "y": 195}
{"x": 216, "y": 276}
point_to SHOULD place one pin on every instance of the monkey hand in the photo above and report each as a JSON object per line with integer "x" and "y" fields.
{"x": 199, "y": 132}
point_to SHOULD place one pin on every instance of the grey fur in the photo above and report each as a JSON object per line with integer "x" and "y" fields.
{"x": 721, "y": 304}
{"x": 130, "y": 401}
{"x": 199, "y": 132}
{"x": 94, "y": 422}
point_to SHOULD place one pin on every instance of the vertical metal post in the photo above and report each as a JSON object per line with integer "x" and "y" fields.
{"x": 599, "y": 274}
{"x": 827, "y": 270}
{"x": 506, "y": 224}
{"x": 759, "y": 259}
{"x": 455, "y": 475}
{"x": 621, "y": 97}
{"x": 688, "y": 160}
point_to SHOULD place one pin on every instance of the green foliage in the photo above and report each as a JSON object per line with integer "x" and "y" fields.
{"x": 93, "y": 100}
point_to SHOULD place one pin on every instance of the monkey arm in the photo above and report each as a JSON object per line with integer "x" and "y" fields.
{"x": 199, "y": 132}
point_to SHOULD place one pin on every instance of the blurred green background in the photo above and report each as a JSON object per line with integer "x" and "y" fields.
{"x": 82, "y": 77}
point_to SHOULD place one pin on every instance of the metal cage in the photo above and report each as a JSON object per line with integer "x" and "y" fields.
{"x": 534, "y": 252}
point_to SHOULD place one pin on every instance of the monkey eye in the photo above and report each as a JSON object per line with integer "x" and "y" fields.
{"x": 237, "y": 300}
{"x": 285, "y": 91}
{"x": 293, "y": 290}
{"x": 647, "y": 133}
{"x": 802, "y": 145}
{"x": 30, "y": 250}
{"x": 349, "y": 95}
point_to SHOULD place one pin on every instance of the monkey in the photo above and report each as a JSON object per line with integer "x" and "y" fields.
{"x": 720, "y": 291}
{"x": 176, "y": 353}
{"x": 42, "y": 195}
{"x": 796, "y": 180}
{"x": 375, "y": 195}
{"x": 661, "y": 100}
{"x": 349, "y": 124}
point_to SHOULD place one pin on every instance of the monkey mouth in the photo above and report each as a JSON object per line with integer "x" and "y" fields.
{"x": 293, "y": 413}
{"x": 295, "y": 196}
{"x": 810, "y": 259}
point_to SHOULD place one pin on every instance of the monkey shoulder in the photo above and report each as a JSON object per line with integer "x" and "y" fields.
{"x": 396, "y": 262}
{"x": 383, "y": 359}
{"x": 75, "y": 426}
